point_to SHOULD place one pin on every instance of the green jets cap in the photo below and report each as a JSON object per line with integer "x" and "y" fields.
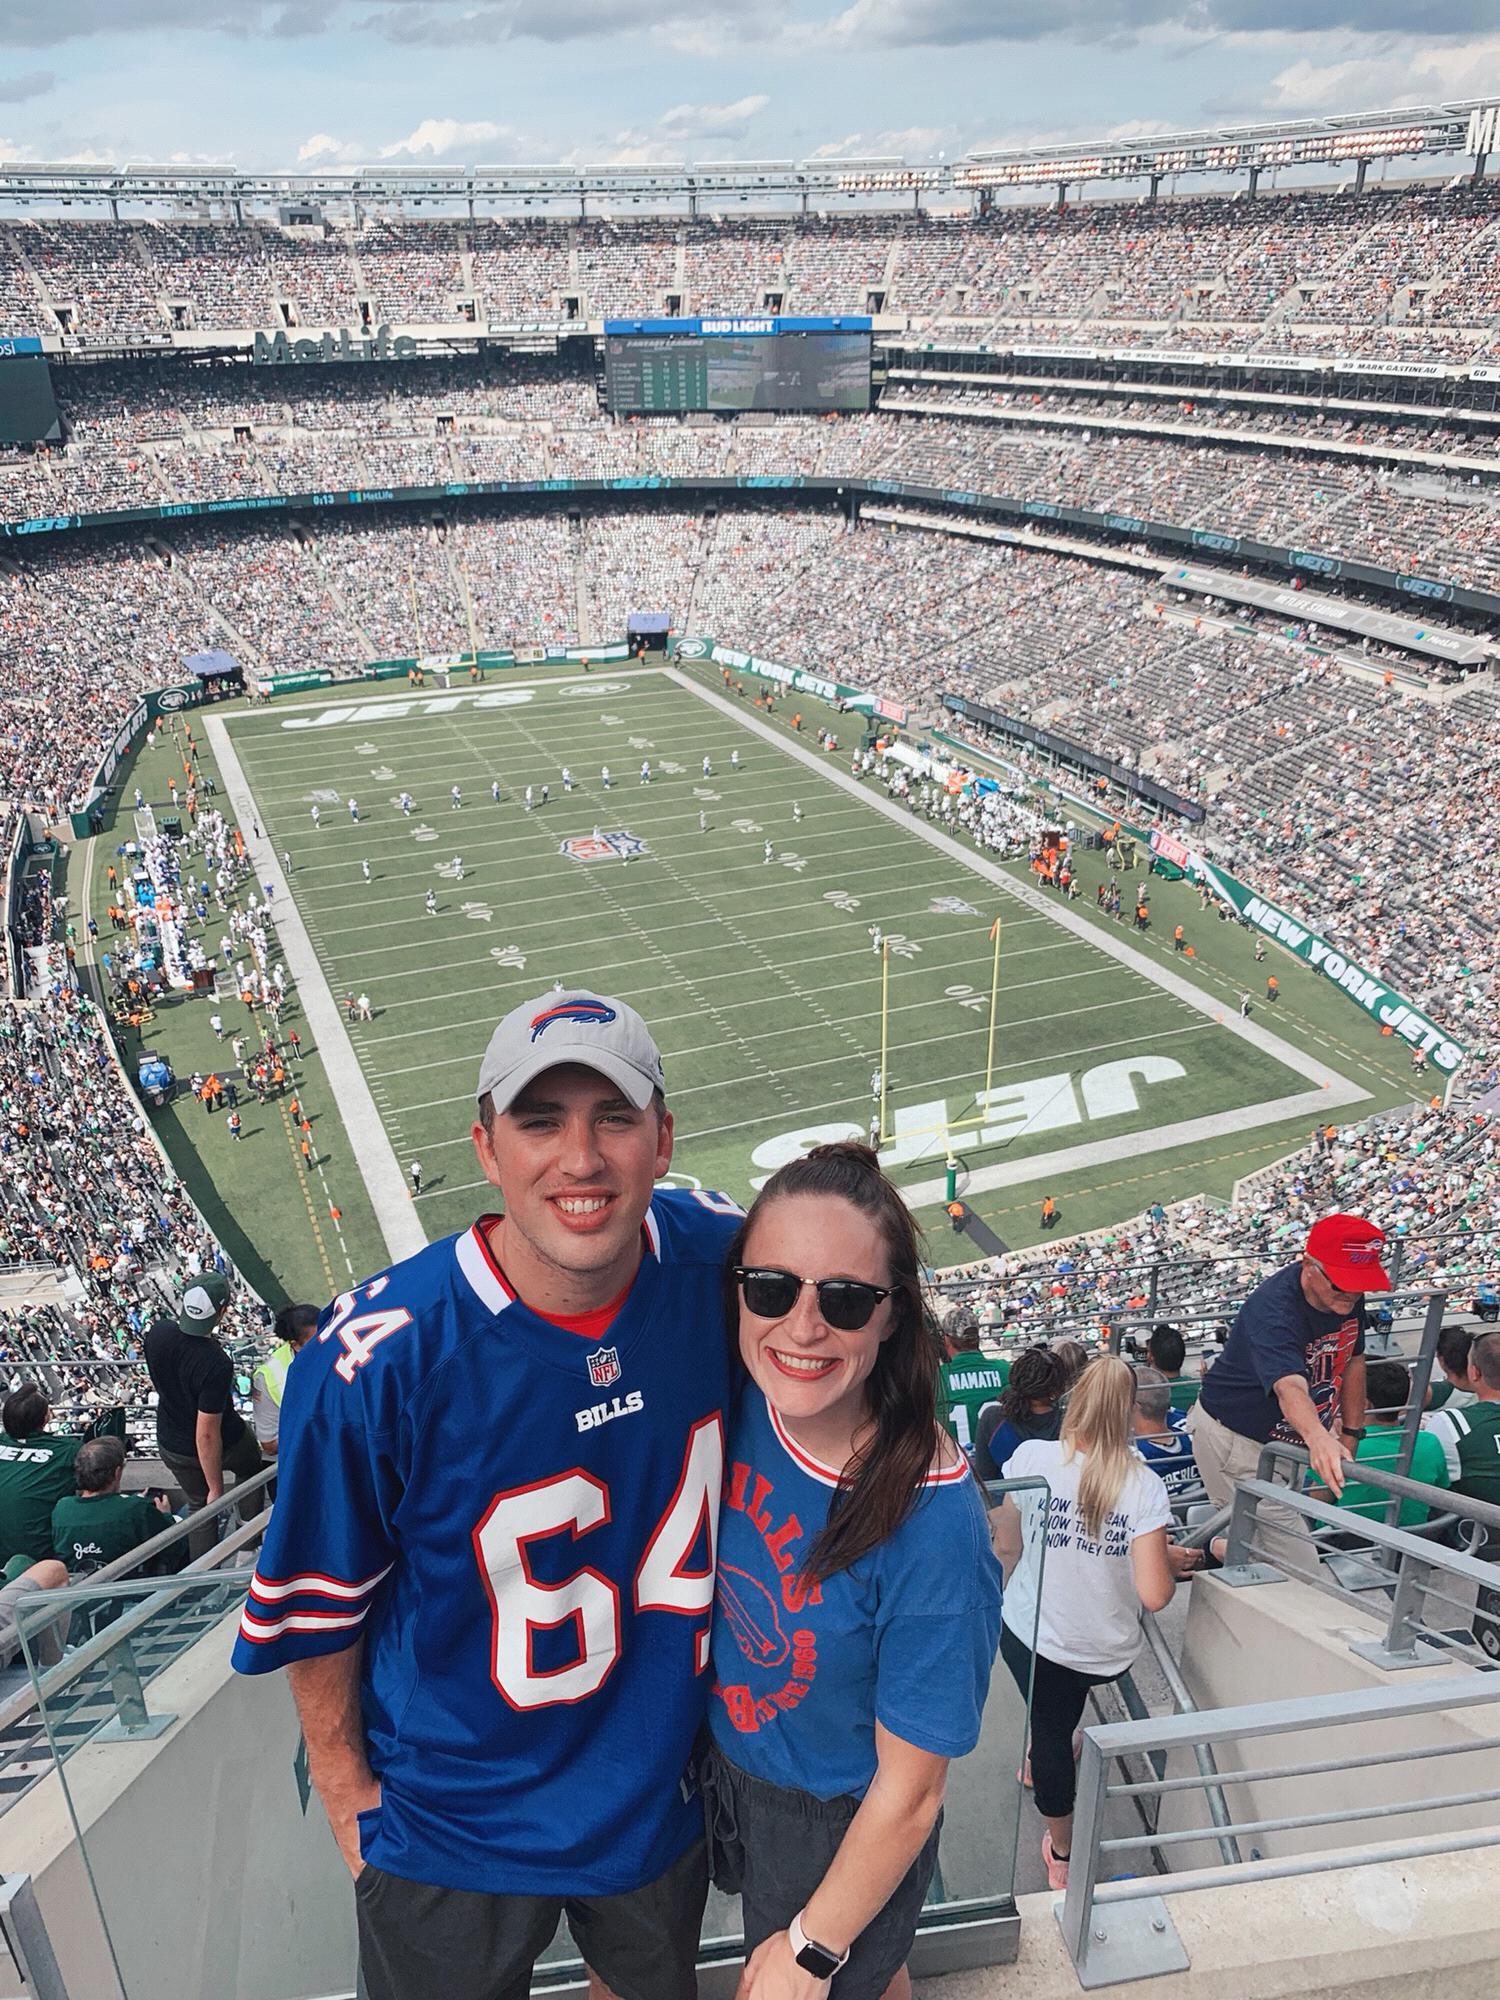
{"x": 204, "y": 1301}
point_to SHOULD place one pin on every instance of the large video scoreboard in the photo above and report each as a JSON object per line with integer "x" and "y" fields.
{"x": 28, "y": 408}
{"x": 664, "y": 366}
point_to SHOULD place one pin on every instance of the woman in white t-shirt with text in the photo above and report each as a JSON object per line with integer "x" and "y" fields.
{"x": 1107, "y": 1558}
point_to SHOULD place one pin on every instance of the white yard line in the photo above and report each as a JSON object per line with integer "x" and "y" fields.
{"x": 726, "y": 1007}
{"x": 379, "y": 1168}
{"x": 1339, "y": 1089}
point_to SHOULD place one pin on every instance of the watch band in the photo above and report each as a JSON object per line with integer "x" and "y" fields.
{"x": 811, "y": 1956}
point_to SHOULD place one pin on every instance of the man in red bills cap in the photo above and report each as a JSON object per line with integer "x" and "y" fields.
{"x": 1293, "y": 1369}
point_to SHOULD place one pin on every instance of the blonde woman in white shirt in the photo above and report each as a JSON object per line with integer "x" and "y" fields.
{"x": 1107, "y": 1558}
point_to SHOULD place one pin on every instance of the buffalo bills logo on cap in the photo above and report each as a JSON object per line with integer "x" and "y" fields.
{"x": 592, "y": 1013}
{"x": 1361, "y": 1253}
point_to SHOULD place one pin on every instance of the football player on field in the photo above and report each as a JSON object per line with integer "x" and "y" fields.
{"x": 490, "y": 1568}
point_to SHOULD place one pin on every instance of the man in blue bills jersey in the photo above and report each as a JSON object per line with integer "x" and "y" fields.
{"x": 490, "y": 1568}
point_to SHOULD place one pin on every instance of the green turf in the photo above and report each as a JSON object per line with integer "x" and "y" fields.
{"x": 790, "y": 975}
{"x": 758, "y": 977}
{"x": 272, "y": 1217}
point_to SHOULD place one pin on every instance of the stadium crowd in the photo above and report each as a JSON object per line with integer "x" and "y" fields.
{"x": 1404, "y": 499}
{"x": 1235, "y": 714}
{"x": 86, "y": 1191}
{"x": 1430, "y": 1178}
{"x": 1351, "y": 827}
{"x": 1405, "y": 267}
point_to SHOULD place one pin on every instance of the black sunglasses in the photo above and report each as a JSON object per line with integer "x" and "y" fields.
{"x": 845, "y": 1303}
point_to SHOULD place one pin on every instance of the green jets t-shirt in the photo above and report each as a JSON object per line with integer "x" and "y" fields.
{"x": 86, "y": 1534}
{"x": 965, "y": 1385}
{"x": 1443, "y": 1396}
{"x": 1379, "y": 1447}
{"x": 1470, "y": 1439}
{"x": 35, "y": 1473}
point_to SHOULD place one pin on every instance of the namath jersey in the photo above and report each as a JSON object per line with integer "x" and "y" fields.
{"x": 521, "y": 1524}
{"x": 967, "y": 1385}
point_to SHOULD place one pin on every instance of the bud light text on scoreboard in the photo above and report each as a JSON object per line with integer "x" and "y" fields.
{"x": 756, "y": 324}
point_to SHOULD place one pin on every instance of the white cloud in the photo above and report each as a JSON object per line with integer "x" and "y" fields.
{"x": 1400, "y": 70}
{"x": 712, "y": 121}
{"x": 22, "y": 150}
{"x": 441, "y": 138}
{"x": 323, "y": 150}
{"x": 462, "y": 140}
{"x": 909, "y": 142}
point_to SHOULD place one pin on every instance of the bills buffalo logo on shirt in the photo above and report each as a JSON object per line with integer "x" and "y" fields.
{"x": 751, "y": 1615}
{"x": 604, "y": 1366}
{"x": 592, "y": 1013}
{"x": 620, "y": 845}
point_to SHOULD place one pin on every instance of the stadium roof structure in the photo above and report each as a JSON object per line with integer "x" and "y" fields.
{"x": 1406, "y": 131}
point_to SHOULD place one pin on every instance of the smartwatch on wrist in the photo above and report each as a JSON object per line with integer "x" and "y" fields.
{"x": 1349, "y": 1431}
{"x": 814, "y": 1958}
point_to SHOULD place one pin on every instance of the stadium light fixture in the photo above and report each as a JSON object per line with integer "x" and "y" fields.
{"x": 648, "y": 170}
{"x": 556, "y": 172}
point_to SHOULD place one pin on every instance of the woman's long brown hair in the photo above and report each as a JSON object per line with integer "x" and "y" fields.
{"x": 884, "y": 1480}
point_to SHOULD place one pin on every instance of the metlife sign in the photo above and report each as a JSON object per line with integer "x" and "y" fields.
{"x": 280, "y": 350}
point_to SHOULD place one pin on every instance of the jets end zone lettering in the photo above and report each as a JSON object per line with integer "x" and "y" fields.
{"x": 1040, "y": 1104}
{"x": 435, "y": 704}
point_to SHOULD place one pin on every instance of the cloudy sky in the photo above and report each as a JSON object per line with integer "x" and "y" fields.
{"x": 271, "y": 83}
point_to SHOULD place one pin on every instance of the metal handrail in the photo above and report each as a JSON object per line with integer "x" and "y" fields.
{"x": 56, "y": 1602}
{"x": 1203, "y": 1756}
{"x": 1441, "y": 1498}
{"x": 110, "y": 1646}
{"x": 1197, "y": 1260}
{"x": 1408, "y": 1561}
{"x": 1401, "y": 1302}
{"x": 1160, "y": 1950}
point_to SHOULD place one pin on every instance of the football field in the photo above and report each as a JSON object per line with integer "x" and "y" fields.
{"x": 758, "y": 974}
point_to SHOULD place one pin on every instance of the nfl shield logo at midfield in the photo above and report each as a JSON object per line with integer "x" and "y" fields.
{"x": 620, "y": 845}
{"x": 604, "y": 1366}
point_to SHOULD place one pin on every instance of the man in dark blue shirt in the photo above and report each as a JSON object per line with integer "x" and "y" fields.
{"x": 1293, "y": 1370}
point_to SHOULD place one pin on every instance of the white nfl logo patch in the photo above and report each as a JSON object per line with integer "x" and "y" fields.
{"x": 604, "y": 1366}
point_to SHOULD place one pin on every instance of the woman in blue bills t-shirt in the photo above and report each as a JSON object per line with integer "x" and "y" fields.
{"x": 858, "y": 1597}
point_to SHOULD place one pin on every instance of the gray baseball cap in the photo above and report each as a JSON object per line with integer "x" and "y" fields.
{"x": 571, "y": 1027}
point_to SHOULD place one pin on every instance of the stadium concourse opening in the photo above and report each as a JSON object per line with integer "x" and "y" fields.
{"x": 648, "y": 631}
{"x": 1010, "y": 683}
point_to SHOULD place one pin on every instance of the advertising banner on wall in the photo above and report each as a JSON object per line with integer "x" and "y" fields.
{"x": 1381, "y": 1002}
{"x": 795, "y": 678}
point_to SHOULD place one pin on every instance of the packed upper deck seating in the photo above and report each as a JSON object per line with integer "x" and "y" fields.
{"x": 1410, "y": 263}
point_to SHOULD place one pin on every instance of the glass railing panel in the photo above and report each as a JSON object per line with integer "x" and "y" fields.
{"x": 211, "y": 1861}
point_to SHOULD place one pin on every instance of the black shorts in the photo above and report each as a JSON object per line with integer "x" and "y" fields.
{"x": 420, "y": 1942}
{"x": 772, "y": 1847}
